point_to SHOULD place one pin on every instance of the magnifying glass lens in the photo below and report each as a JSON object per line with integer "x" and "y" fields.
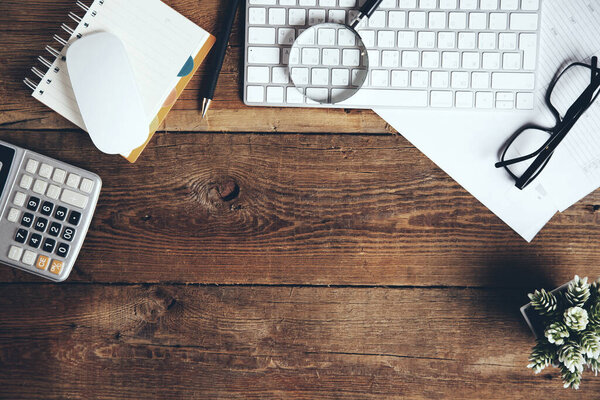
{"x": 328, "y": 63}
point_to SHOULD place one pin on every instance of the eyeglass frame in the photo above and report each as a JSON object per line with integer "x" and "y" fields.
{"x": 563, "y": 126}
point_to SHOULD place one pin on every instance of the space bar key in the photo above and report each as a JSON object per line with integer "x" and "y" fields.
{"x": 389, "y": 98}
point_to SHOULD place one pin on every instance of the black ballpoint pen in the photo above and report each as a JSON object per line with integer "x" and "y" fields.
{"x": 220, "y": 48}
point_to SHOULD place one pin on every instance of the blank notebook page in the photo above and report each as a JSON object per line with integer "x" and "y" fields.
{"x": 161, "y": 45}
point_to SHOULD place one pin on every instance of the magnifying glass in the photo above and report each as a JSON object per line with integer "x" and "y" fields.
{"x": 329, "y": 62}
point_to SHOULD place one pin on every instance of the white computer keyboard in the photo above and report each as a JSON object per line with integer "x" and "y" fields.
{"x": 471, "y": 54}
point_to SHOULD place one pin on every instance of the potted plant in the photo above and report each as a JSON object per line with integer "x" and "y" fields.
{"x": 566, "y": 323}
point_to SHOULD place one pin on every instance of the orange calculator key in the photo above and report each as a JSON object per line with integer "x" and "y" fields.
{"x": 56, "y": 267}
{"x": 42, "y": 262}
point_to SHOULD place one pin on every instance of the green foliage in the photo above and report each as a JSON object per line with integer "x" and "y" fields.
{"x": 556, "y": 333}
{"x": 578, "y": 292}
{"x": 541, "y": 356}
{"x": 543, "y": 302}
{"x": 571, "y": 323}
{"x": 576, "y": 318}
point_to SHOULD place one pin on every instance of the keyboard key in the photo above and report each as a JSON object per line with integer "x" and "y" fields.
{"x": 263, "y": 55}
{"x": 377, "y": 20}
{"x": 336, "y": 16}
{"x": 73, "y": 180}
{"x": 509, "y": 4}
{"x": 513, "y": 81}
{"x": 330, "y": 57}
{"x": 431, "y": 59}
{"x": 59, "y": 175}
{"x": 448, "y": 4}
{"x": 293, "y": 96}
{"x": 60, "y": 213}
{"x": 49, "y": 245}
{"x": 316, "y": 17}
{"x": 319, "y": 76}
{"x": 489, "y": 4}
{"x": 45, "y": 171}
{"x": 427, "y": 4}
{"x": 53, "y": 192}
{"x": 35, "y": 240}
{"x": 13, "y": 215}
{"x": 286, "y": 36}
{"x": 470, "y": 60}
{"x": 426, "y": 40}
{"x": 300, "y": 76}
{"x": 277, "y": 16}
{"x": 466, "y": 40}
{"x": 40, "y": 186}
{"x": 525, "y": 101}
{"x": 450, "y": 60}
{"x": 258, "y": 35}
{"x": 42, "y": 262}
{"x": 32, "y": 166}
{"x": 417, "y": 19}
{"x": 528, "y": 43}
{"x": 440, "y": 79}
{"x": 258, "y": 75}
{"x": 390, "y": 58}
{"x": 406, "y": 39}
{"x": 14, "y": 253}
{"x": 262, "y": 2}
{"x": 386, "y": 38}
{"x": 256, "y": 16}
{"x": 62, "y": 250}
{"x": 523, "y": 22}
{"x": 400, "y": 78}
{"x": 47, "y": 208}
{"x": 351, "y": 57}
{"x": 379, "y": 78}
{"x": 33, "y": 203}
{"x": 480, "y": 80}
{"x": 274, "y": 95}
{"x": 68, "y": 233}
{"x": 491, "y": 61}
{"x": 442, "y": 99}
{"x": 511, "y": 61}
{"x": 419, "y": 79}
{"x": 487, "y": 41}
{"x": 56, "y": 267}
{"x": 26, "y": 182}
{"x": 21, "y": 235}
{"x": 40, "y": 224}
{"x": 27, "y": 220}
{"x": 498, "y": 21}
{"x": 397, "y": 19}
{"x": 340, "y": 77}
{"x": 280, "y": 75}
{"x": 437, "y": 20}
{"x": 477, "y": 21}
{"x": 446, "y": 40}
{"x": 457, "y": 20}
{"x": 28, "y": 257}
{"x": 297, "y": 16}
{"x": 460, "y": 80}
{"x": 54, "y": 229}
{"x": 507, "y": 41}
{"x": 410, "y": 59}
{"x": 530, "y": 5}
{"x": 468, "y": 4}
{"x": 484, "y": 100}
{"x": 73, "y": 198}
{"x": 325, "y": 36}
{"x": 464, "y": 99}
{"x": 19, "y": 199}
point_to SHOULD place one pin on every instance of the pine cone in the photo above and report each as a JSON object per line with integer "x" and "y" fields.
{"x": 576, "y": 318}
{"x": 570, "y": 379}
{"x": 544, "y": 302}
{"x": 594, "y": 365}
{"x": 571, "y": 355}
{"x": 541, "y": 356}
{"x": 595, "y": 290}
{"x": 556, "y": 333}
{"x": 590, "y": 344}
{"x": 578, "y": 292}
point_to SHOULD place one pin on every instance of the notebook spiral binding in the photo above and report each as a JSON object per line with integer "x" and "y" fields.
{"x": 31, "y": 83}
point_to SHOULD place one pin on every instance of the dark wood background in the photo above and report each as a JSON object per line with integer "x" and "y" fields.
{"x": 260, "y": 255}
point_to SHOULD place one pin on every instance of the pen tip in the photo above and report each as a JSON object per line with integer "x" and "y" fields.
{"x": 205, "y": 105}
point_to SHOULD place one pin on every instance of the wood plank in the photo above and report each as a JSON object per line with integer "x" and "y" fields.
{"x": 25, "y": 31}
{"x": 303, "y": 209}
{"x": 92, "y": 341}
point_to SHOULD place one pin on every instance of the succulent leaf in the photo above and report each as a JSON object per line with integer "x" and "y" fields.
{"x": 541, "y": 356}
{"x": 543, "y": 302}
{"x": 556, "y": 333}
{"x": 576, "y": 318}
{"x": 578, "y": 292}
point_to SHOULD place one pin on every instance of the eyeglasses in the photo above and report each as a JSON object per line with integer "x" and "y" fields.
{"x": 539, "y": 143}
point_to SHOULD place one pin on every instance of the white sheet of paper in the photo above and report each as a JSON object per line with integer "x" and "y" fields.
{"x": 466, "y": 144}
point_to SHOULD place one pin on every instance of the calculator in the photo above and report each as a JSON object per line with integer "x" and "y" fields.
{"x": 47, "y": 207}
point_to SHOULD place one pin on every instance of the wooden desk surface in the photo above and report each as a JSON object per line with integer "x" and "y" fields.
{"x": 272, "y": 253}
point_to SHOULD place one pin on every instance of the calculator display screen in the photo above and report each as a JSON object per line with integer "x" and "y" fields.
{"x": 6, "y": 159}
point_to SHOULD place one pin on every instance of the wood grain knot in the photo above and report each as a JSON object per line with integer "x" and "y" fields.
{"x": 224, "y": 191}
{"x": 155, "y": 306}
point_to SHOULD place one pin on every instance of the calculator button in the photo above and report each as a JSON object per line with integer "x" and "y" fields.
{"x": 19, "y": 199}
{"x": 49, "y": 245}
{"x": 53, "y": 192}
{"x": 40, "y": 186}
{"x": 73, "y": 198}
{"x": 54, "y": 229}
{"x": 42, "y": 262}
{"x": 33, "y": 203}
{"x": 40, "y": 224}
{"x": 13, "y": 215}
{"x": 28, "y": 257}
{"x": 60, "y": 213}
{"x": 45, "y": 171}
{"x": 62, "y": 250}
{"x": 73, "y": 180}
{"x": 27, "y": 220}
{"x": 56, "y": 267}
{"x": 74, "y": 218}
{"x": 59, "y": 175}
{"x": 14, "y": 253}
{"x": 31, "y": 166}
{"x": 86, "y": 185}
{"x": 35, "y": 240}
{"x": 47, "y": 208}
{"x": 26, "y": 182}
{"x": 68, "y": 233}
{"x": 21, "y": 235}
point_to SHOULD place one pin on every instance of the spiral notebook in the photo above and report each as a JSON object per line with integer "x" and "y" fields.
{"x": 163, "y": 46}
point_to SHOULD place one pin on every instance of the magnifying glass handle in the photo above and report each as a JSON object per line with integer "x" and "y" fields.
{"x": 365, "y": 11}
